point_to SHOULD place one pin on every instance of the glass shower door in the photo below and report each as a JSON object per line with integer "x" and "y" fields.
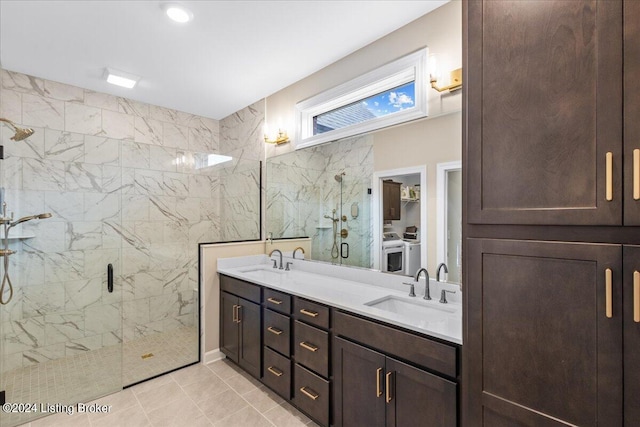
{"x": 61, "y": 331}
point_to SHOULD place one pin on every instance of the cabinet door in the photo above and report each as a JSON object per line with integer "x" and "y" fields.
{"x": 631, "y": 336}
{"x": 419, "y": 395}
{"x": 391, "y": 200}
{"x": 229, "y": 326}
{"x": 358, "y": 385}
{"x": 250, "y": 343}
{"x": 541, "y": 348}
{"x": 544, "y": 109}
{"x": 631, "y": 111}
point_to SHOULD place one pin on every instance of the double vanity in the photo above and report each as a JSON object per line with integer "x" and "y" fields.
{"x": 346, "y": 346}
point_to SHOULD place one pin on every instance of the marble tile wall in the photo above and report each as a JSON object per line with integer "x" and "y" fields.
{"x": 119, "y": 178}
{"x": 301, "y": 190}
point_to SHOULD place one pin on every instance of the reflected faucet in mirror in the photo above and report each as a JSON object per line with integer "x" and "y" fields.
{"x": 440, "y": 267}
{"x": 299, "y": 248}
{"x": 279, "y": 252}
{"x": 427, "y": 294}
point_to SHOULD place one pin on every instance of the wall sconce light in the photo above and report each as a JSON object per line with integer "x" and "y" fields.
{"x": 456, "y": 82}
{"x": 434, "y": 75}
{"x": 281, "y": 138}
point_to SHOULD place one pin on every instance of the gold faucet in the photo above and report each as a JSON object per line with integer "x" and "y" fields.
{"x": 296, "y": 250}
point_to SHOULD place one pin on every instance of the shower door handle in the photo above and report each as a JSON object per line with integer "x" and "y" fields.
{"x": 344, "y": 246}
{"x": 110, "y": 278}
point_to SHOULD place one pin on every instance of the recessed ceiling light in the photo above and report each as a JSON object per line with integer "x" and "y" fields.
{"x": 177, "y": 12}
{"x": 120, "y": 78}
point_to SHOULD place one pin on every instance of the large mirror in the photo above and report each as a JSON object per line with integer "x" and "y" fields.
{"x": 389, "y": 200}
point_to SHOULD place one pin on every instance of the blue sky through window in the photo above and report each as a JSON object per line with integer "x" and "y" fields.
{"x": 385, "y": 103}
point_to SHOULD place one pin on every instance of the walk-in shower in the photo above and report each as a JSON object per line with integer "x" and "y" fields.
{"x": 6, "y": 287}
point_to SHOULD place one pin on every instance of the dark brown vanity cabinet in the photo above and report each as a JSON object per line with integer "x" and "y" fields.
{"x": 311, "y": 378}
{"x": 391, "y": 200}
{"x": 277, "y": 372}
{"x": 373, "y": 387}
{"x": 240, "y": 320}
{"x": 376, "y": 390}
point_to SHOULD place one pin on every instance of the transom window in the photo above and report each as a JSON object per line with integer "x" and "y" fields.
{"x": 392, "y": 94}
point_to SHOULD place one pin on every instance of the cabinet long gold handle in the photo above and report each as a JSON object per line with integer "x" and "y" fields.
{"x": 309, "y": 313}
{"x": 388, "y": 387}
{"x": 274, "y": 301}
{"x": 636, "y": 174}
{"x": 378, "y": 389}
{"x": 308, "y": 346}
{"x": 309, "y": 393}
{"x": 238, "y": 315}
{"x": 608, "y": 293}
{"x": 609, "y": 173}
{"x": 636, "y": 296}
{"x": 274, "y": 330}
{"x": 235, "y": 313}
{"x": 274, "y": 371}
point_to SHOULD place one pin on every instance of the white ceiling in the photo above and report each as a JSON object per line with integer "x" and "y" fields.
{"x": 232, "y": 54}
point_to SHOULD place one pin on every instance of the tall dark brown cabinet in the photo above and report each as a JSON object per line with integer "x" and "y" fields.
{"x": 552, "y": 204}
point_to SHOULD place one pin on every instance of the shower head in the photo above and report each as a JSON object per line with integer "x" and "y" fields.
{"x": 20, "y": 133}
{"x": 29, "y": 218}
{"x": 339, "y": 176}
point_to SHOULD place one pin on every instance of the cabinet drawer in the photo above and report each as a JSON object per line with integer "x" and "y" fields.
{"x": 421, "y": 351}
{"x": 311, "y": 312}
{"x": 277, "y": 301}
{"x": 277, "y": 372}
{"x": 240, "y": 288}
{"x": 276, "y": 332}
{"x": 311, "y": 348}
{"x": 311, "y": 394}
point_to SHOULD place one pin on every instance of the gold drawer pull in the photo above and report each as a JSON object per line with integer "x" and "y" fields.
{"x": 388, "y": 386}
{"x": 308, "y": 346}
{"x": 235, "y": 313}
{"x": 274, "y": 301}
{"x": 378, "y": 389}
{"x": 309, "y": 313}
{"x": 309, "y": 393}
{"x": 239, "y": 319}
{"x": 608, "y": 293}
{"x": 274, "y": 330}
{"x": 636, "y": 296}
{"x": 609, "y": 176}
{"x": 636, "y": 174}
{"x": 274, "y": 371}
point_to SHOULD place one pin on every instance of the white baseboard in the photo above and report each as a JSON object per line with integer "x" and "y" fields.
{"x": 213, "y": 356}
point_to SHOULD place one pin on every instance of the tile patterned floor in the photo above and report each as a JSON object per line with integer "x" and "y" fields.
{"x": 218, "y": 394}
{"x": 75, "y": 379}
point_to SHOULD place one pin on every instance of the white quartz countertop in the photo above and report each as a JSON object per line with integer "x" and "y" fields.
{"x": 327, "y": 284}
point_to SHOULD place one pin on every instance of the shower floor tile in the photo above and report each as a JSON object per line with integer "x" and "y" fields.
{"x": 95, "y": 373}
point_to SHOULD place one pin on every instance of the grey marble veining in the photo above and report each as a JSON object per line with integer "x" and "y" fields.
{"x": 120, "y": 179}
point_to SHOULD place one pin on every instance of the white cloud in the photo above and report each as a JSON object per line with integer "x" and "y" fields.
{"x": 399, "y": 100}
{"x": 364, "y": 103}
{"x": 376, "y": 103}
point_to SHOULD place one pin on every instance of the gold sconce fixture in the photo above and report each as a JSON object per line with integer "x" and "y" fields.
{"x": 456, "y": 82}
{"x": 281, "y": 138}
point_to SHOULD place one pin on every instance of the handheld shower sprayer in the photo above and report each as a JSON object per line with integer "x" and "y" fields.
{"x": 8, "y": 223}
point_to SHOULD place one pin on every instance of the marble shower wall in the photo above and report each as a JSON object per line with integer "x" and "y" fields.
{"x": 241, "y": 136}
{"x": 120, "y": 179}
{"x": 301, "y": 190}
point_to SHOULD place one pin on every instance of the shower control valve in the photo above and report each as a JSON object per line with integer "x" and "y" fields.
{"x": 6, "y": 252}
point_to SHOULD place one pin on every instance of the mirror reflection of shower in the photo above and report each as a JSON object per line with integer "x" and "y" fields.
{"x": 7, "y": 220}
{"x": 334, "y": 220}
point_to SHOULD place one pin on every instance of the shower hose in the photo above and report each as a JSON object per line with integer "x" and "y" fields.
{"x": 6, "y": 280}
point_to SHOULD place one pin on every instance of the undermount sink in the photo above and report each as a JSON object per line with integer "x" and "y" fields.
{"x": 262, "y": 272}
{"x": 418, "y": 308}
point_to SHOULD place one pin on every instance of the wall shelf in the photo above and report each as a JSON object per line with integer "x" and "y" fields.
{"x": 18, "y": 236}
